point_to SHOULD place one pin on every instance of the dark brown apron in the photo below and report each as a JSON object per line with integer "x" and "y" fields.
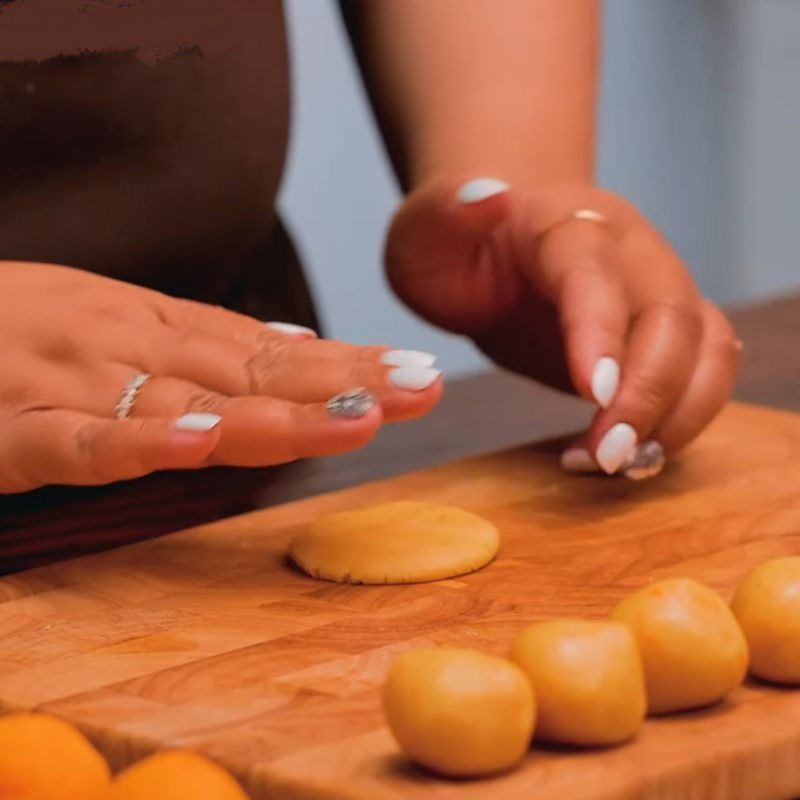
{"x": 146, "y": 140}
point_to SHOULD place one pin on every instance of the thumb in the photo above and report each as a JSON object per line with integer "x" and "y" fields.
{"x": 438, "y": 255}
{"x": 481, "y": 204}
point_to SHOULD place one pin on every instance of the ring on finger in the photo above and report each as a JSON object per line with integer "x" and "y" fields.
{"x": 129, "y": 394}
{"x": 584, "y": 214}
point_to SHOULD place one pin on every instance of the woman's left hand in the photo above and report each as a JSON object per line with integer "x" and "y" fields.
{"x": 601, "y": 305}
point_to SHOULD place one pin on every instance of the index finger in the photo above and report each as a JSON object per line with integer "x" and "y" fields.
{"x": 576, "y": 270}
{"x": 191, "y": 315}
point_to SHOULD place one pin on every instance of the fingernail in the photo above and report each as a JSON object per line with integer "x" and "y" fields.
{"x": 480, "y": 189}
{"x": 577, "y": 459}
{"x": 200, "y": 422}
{"x": 605, "y": 381}
{"x": 738, "y": 345}
{"x": 352, "y": 404}
{"x": 615, "y": 447}
{"x": 408, "y": 358}
{"x": 646, "y": 461}
{"x": 415, "y": 379}
{"x": 292, "y": 330}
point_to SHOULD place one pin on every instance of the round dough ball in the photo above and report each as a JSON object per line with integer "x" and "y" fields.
{"x": 177, "y": 775}
{"x": 459, "y": 712}
{"x": 692, "y": 648}
{"x": 587, "y": 678}
{"x": 767, "y": 605}
{"x": 402, "y": 542}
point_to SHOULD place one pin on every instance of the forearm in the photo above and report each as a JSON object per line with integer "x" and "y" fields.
{"x": 482, "y": 87}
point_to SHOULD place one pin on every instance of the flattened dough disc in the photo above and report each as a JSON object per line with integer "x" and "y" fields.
{"x": 403, "y": 542}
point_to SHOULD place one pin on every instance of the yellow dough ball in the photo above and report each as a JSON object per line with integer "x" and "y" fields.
{"x": 587, "y": 678}
{"x": 46, "y": 758}
{"x": 175, "y": 775}
{"x": 458, "y": 712}
{"x": 767, "y": 605}
{"x": 692, "y": 648}
{"x": 401, "y": 542}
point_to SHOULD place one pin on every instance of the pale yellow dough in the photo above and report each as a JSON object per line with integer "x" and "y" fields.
{"x": 401, "y": 542}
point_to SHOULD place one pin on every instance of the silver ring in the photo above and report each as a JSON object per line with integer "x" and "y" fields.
{"x": 129, "y": 394}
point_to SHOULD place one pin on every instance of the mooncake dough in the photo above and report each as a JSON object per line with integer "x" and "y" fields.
{"x": 459, "y": 712}
{"x": 767, "y": 606}
{"x": 588, "y": 680}
{"x": 693, "y": 650}
{"x": 400, "y": 542}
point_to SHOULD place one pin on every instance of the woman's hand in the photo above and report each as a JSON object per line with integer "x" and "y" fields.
{"x": 603, "y": 307}
{"x": 224, "y": 388}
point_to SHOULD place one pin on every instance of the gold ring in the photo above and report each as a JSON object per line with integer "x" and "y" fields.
{"x": 584, "y": 214}
{"x": 590, "y": 215}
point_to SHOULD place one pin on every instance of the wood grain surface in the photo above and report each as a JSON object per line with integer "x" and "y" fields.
{"x": 208, "y": 639}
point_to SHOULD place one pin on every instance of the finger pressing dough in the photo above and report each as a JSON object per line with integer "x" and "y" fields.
{"x": 401, "y": 542}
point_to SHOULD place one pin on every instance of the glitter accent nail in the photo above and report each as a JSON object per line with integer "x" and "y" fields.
{"x": 646, "y": 461}
{"x": 351, "y": 404}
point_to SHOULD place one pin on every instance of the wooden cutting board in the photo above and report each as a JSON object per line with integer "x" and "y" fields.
{"x": 208, "y": 639}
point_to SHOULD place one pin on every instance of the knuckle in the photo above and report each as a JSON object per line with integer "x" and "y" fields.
{"x": 182, "y": 337}
{"x": 299, "y": 446}
{"x": 158, "y": 312}
{"x": 176, "y": 313}
{"x": 86, "y": 453}
{"x": 84, "y": 437}
{"x": 99, "y": 467}
{"x": 26, "y": 396}
{"x": 681, "y": 313}
{"x": 204, "y": 401}
{"x": 111, "y": 313}
{"x": 650, "y": 395}
{"x": 582, "y": 266}
{"x": 573, "y": 280}
{"x": 110, "y": 309}
{"x": 138, "y": 463}
{"x": 258, "y": 369}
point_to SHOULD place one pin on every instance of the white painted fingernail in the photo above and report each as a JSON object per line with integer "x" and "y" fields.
{"x": 408, "y": 358}
{"x": 577, "y": 459}
{"x": 292, "y": 330}
{"x": 615, "y": 447}
{"x": 605, "y": 381}
{"x": 198, "y": 422}
{"x": 414, "y": 379}
{"x": 480, "y": 189}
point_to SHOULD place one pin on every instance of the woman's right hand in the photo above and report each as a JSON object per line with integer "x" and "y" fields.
{"x": 224, "y": 388}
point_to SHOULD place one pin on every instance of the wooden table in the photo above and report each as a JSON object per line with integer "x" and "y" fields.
{"x": 479, "y": 414}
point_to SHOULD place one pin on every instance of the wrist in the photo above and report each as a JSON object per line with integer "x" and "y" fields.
{"x": 503, "y": 154}
{"x": 529, "y": 181}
